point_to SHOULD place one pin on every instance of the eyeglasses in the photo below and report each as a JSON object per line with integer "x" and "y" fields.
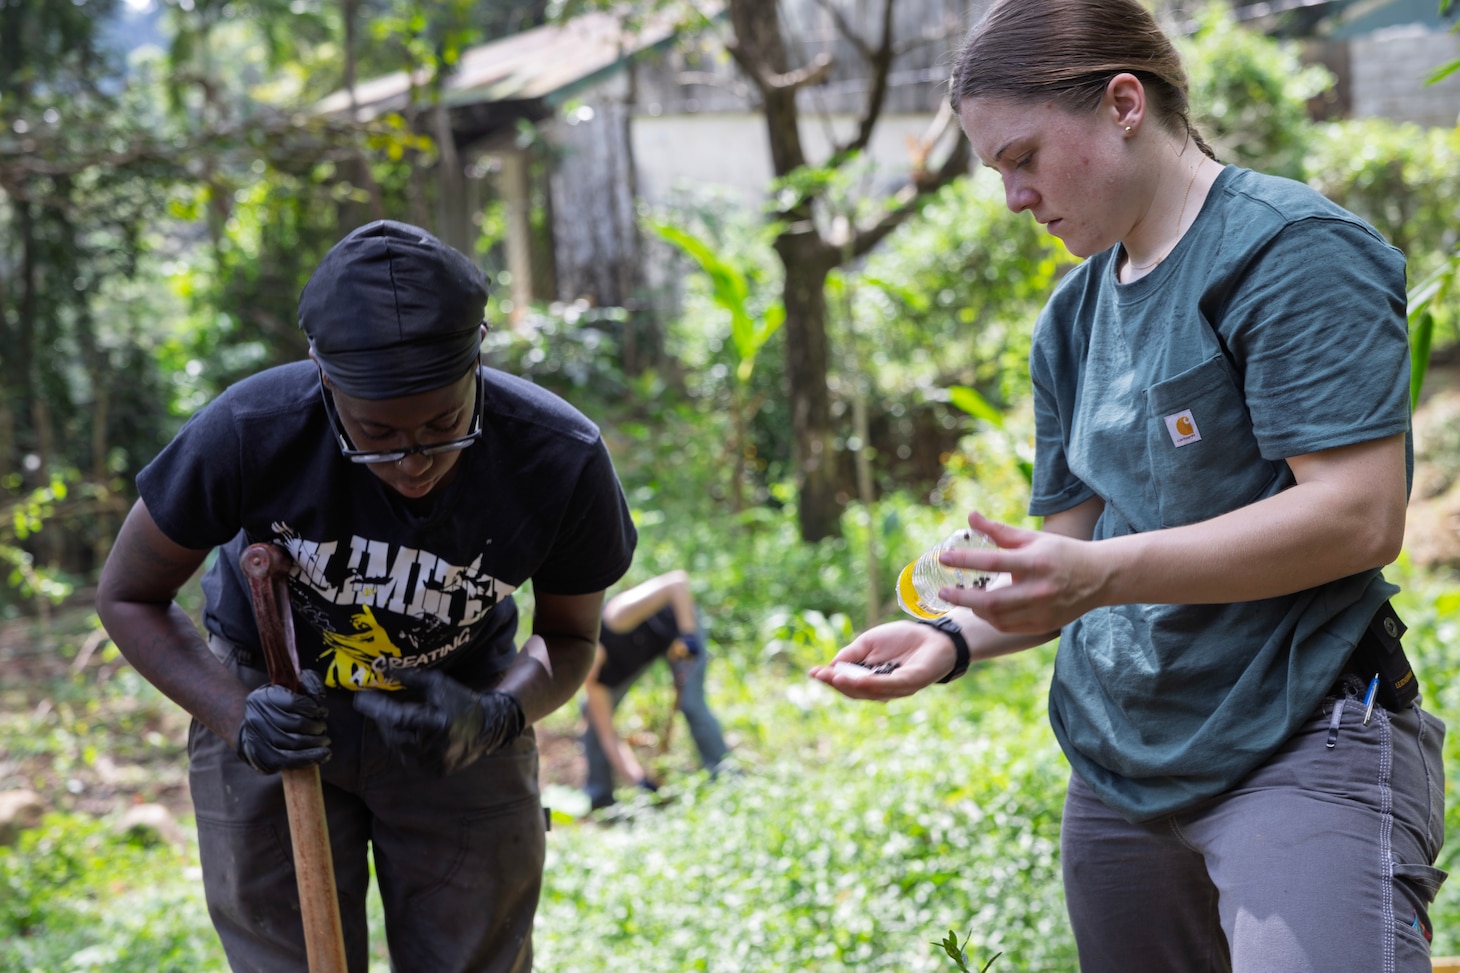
{"x": 348, "y": 450}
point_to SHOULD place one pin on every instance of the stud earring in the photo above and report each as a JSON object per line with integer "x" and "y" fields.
{"x": 1127, "y": 130}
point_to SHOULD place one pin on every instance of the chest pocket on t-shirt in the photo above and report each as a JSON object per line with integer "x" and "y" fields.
{"x": 1204, "y": 459}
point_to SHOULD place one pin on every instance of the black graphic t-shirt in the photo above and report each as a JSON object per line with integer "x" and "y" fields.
{"x": 378, "y": 584}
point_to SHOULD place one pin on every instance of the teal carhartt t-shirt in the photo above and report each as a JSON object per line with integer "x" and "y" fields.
{"x": 1275, "y": 328}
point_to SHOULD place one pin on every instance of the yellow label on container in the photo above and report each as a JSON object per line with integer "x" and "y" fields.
{"x": 908, "y": 598}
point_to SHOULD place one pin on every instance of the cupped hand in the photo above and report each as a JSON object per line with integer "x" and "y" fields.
{"x": 922, "y": 655}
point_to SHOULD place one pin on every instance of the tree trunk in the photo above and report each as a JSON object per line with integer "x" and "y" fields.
{"x": 812, "y": 437}
{"x": 515, "y": 189}
{"x": 760, "y": 50}
{"x": 452, "y": 219}
{"x": 643, "y": 337}
{"x": 24, "y": 350}
{"x": 355, "y": 214}
{"x": 12, "y": 373}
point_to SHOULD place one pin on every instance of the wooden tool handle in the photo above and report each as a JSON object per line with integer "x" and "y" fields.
{"x": 319, "y": 904}
{"x": 267, "y": 569}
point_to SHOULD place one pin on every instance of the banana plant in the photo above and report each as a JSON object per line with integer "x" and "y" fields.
{"x": 971, "y": 401}
{"x": 1423, "y": 298}
{"x": 730, "y": 287}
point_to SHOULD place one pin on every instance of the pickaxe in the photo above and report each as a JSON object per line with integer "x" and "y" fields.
{"x": 267, "y": 569}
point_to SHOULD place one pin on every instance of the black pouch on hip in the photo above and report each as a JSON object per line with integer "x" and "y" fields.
{"x": 1379, "y": 650}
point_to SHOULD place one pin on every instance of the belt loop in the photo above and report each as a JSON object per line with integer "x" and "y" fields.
{"x": 221, "y": 648}
{"x": 228, "y": 652}
{"x": 1333, "y": 723}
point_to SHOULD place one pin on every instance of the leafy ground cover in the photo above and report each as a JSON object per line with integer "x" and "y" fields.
{"x": 849, "y": 837}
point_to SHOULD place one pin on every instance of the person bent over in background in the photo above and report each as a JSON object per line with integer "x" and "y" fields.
{"x": 652, "y": 619}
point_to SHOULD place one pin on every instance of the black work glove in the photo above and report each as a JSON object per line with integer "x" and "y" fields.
{"x": 450, "y": 729}
{"x": 283, "y": 730}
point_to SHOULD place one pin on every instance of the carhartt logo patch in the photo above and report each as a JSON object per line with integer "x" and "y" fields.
{"x": 1182, "y": 427}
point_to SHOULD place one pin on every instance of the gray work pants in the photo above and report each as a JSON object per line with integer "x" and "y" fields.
{"x": 1320, "y": 861}
{"x": 704, "y": 728}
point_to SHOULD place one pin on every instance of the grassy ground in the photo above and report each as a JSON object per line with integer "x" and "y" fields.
{"x": 853, "y": 837}
{"x": 837, "y": 844}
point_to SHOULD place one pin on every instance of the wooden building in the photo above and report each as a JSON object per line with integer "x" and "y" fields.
{"x": 579, "y": 124}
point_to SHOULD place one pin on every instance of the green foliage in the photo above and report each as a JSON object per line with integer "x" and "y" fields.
{"x": 76, "y": 723}
{"x": 75, "y": 896}
{"x": 732, "y": 373}
{"x": 754, "y": 579}
{"x": 951, "y": 297}
{"x": 753, "y": 322}
{"x": 1405, "y": 180}
{"x": 569, "y": 348}
{"x": 939, "y": 321}
{"x": 1402, "y": 178}
{"x": 1430, "y": 605}
{"x": 1431, "y": 292}
{"x": 285, "y": 198}
{"x": 841, "y": 193}
{"x": 954, "y": 949}
{"x": 25, "y": 518}
{"x": 851, "y": 833}
{"x": 1250, "y": 93}
{"x": 86, "y": 162}
{"x": 1429, "y": 300}
{"x": 730, "y": 288}
{"x": 42, "y": 518}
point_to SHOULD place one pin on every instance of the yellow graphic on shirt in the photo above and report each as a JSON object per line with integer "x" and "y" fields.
{"x": 359, "y": 659}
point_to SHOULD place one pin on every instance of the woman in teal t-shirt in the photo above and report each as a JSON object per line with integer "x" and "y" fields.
{"x": 1222, "y": 465}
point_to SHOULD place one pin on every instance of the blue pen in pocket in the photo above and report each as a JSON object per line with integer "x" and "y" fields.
{"x": 1369, "y": 695}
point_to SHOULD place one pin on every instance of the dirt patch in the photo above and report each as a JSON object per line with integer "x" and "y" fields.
{"x": 72, "y": 729}
{"x": 561, "y": 759}
{"x": 80, "y": 728}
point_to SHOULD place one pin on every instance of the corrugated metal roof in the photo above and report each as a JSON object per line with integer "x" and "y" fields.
{"x": 546, "y": 64}
{"x": 1350, "y": 18}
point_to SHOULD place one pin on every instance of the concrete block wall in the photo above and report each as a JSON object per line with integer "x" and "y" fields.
{"x": 1389, "y": 69}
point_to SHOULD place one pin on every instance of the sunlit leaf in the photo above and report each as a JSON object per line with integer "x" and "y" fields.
{"x": 970, "y": 401}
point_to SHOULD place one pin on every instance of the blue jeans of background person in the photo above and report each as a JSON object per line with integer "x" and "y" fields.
{"x": 703, "y": 727}
{"x": 1320, "y": 860}
{"x": 458, "y": 859}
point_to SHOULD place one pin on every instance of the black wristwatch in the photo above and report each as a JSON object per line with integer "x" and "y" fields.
{"x": 951, "y": 629}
